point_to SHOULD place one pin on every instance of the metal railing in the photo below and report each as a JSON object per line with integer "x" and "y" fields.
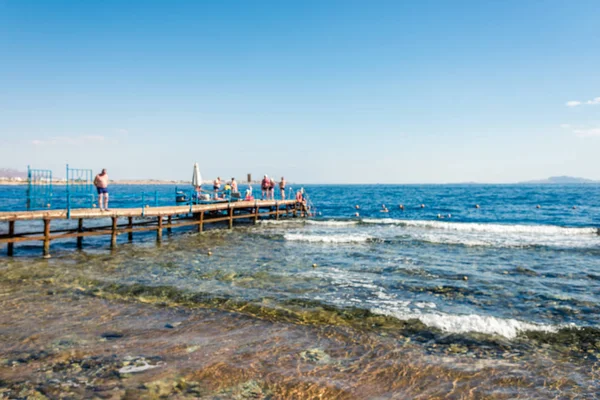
{"x": 148, "y": 195}
{"x": 39, "y": 188}
{"x": 79, "y": 187}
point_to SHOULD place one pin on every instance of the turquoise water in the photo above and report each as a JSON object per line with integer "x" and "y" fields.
{"x": 500, "y": 269}
{"x": 508, "y": 289}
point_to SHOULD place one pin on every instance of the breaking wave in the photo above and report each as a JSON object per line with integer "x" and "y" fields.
{"x": 332, "y": 223}
{"x": 509, "y": 328}
{"x": 488, "y": 228}
{"x": 324, "y": 238}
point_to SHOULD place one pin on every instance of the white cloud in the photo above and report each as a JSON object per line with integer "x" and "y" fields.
{"x": 587, "y": 133}
{"x": 575, "y": 103}
{"x": 565, "y": 126}
{"x": 593, "y": 101}
{"x": 122, "y": 131}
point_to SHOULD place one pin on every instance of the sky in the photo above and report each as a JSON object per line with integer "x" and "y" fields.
{"x": 316, "y": 91}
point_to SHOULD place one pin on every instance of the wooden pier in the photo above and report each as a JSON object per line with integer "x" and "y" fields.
{"x": 149, "y": 219}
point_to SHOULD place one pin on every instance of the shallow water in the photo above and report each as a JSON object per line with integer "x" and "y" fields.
{"x": 504, "y": 298}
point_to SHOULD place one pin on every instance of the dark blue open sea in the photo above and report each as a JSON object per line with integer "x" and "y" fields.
{"x": 518, "y": 275}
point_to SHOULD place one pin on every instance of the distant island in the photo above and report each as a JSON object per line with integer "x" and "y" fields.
{"x": 560, "y": 180}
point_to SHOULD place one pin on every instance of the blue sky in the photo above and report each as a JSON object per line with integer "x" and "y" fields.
{"x": 317, "y": 91}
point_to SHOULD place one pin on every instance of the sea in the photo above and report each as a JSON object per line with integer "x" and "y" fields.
{"x": 387, "y": 291}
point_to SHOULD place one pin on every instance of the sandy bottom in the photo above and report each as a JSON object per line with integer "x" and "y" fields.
{"x": 64, "y": 343}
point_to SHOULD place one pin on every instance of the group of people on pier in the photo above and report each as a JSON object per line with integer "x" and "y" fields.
{"x": 267, "y": 186}
{"x": 230, "y": 189}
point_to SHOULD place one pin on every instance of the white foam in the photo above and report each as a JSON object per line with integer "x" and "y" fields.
{"x": 324, "y": 238}
{"x": 382, "y": 302}
{"x": 280, "y": 222}
{"x": 491, "y": 228}
{"x": 332, "y": 223}
{"x": 508, "y": 328}
{"x": 494, "y": 235}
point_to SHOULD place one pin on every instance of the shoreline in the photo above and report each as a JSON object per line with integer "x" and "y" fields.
{"x": 131, "y": 182}
{"x": 122, "y": 182}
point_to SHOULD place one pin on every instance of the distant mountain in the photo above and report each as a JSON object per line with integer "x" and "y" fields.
{"x": 560, "y": 180}
{"x": 12, "y": 173}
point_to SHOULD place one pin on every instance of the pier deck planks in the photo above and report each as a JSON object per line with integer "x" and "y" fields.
{"x": 188, "y": 215}
{"x": 137, "y": 212}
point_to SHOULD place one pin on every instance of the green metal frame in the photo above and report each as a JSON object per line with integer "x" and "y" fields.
{"x": 39, "y": 188}
{"x": 80, "y": 185}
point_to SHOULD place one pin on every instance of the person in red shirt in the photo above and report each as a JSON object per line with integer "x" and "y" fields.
{"x": 265, "y": 185}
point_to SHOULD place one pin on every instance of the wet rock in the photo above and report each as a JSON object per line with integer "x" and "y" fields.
{"x": 251, "y": 390}
{"x": 248, "y": 390}
{"x": 568, "y": 338}
{"x": 315, "y": 356}
{"x": 194, "y": 388}
{"x": 162, "y": 388}
{"x": 172, "y": 325}
{"x": 66, "y": 342}
{"x": 111, "y": 335}
{"x": 525, "y": 271}
{"x": 31, "y": 394}
{"x": 457, "y": 348}
{"x": 192, "y": 349}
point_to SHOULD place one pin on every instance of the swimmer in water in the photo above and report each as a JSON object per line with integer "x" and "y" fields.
{"x": 384, "y": 208}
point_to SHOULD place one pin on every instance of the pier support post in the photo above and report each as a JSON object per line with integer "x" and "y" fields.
{"x": 256, "y": 214}
{"x": 46, "y": 238}
{"x": 295, "y": 210}
{"x": 230, "y": 217}
{"x": 159, "y": 229}
{"x": 169, "y": 221}
{"x": 130, "y": 226}
{"x": 10, "y": 248}
{"x": 113, "y": 236}
{"x": 201, "y": 223}
{"x": 80, "y": 230}
{"x": 276, "y": 211}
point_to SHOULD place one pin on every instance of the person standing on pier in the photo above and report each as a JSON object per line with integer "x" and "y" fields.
{"x": 217, "y": 186}
{"x": 282, "y": 188}
{"x": 272, "y": 189}
{"x": 234, "y": 186}
{"x": 265, "y": 185}
{"x": 101, "y": 183}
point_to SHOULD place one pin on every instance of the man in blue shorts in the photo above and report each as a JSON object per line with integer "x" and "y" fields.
{"x": 101, "y": 183}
